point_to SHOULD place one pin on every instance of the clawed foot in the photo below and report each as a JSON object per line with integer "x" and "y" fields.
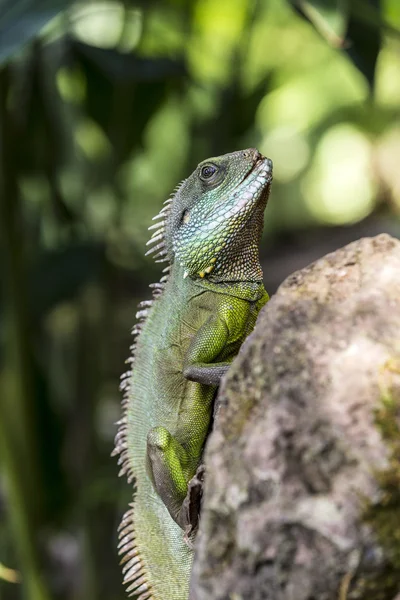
{"x": 191, "y": 505}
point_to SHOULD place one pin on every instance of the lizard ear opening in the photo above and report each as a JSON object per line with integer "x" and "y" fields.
{"x": 185, "y": 217}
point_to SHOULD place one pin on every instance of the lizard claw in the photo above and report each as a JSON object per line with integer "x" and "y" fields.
{"x": 190, "y": 511}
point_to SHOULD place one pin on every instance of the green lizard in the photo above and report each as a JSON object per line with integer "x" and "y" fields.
{"x": 203, "y": 308}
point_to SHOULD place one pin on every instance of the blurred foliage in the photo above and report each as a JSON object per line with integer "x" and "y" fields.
{"x": 104, "y": 107}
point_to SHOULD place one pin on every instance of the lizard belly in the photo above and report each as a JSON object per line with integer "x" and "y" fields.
{"x": 161, "y": 395}
{"x": 165, "y": 558}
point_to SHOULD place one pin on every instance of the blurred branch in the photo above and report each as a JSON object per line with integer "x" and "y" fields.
{"x": 329, "y": 27}
{"x": 315, "y": 12}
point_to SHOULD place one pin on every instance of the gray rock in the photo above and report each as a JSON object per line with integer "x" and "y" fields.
{"x": 302, "y": 496}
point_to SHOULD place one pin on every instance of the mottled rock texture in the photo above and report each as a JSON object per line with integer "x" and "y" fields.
{"x": 302, "y": 497}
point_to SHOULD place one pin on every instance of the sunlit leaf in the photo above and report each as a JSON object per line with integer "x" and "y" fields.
{"x": 22, "y": 20}
{"x": 106, "y": 24}
{"x": 8, "y": 574}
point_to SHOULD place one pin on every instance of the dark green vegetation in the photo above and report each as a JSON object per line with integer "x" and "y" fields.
{"x": 102, "y": 111}
{"x": 383, "y": 514}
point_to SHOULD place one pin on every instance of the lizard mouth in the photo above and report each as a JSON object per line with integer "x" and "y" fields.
{"x": 261, "y": 164}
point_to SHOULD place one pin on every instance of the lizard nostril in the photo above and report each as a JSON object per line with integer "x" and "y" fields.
{"x": 252, "y": 153}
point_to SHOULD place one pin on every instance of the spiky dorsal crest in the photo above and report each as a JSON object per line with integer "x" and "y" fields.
{"x": 133, "y": 568}
{"x": 157, "y": 240}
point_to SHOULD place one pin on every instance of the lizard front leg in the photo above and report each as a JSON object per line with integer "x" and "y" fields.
{"x": 211, "y": 339}
{"x": 170, "y": 464}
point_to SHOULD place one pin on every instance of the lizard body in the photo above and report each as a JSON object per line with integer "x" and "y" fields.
{"x": 203, "y": 309}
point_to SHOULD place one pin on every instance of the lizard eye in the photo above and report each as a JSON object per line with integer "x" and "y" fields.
{"x": 207, "y": 171}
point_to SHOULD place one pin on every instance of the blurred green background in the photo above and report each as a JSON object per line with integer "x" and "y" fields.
{"x": 104, "y": 107}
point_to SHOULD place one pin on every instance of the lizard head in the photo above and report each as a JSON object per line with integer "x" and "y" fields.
{"x": 214, "y": 222}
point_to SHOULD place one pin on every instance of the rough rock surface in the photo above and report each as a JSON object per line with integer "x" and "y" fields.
{"x": 302, "y": 498}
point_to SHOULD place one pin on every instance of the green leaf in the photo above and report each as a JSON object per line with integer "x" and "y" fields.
{"x": 22, "y": 20}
